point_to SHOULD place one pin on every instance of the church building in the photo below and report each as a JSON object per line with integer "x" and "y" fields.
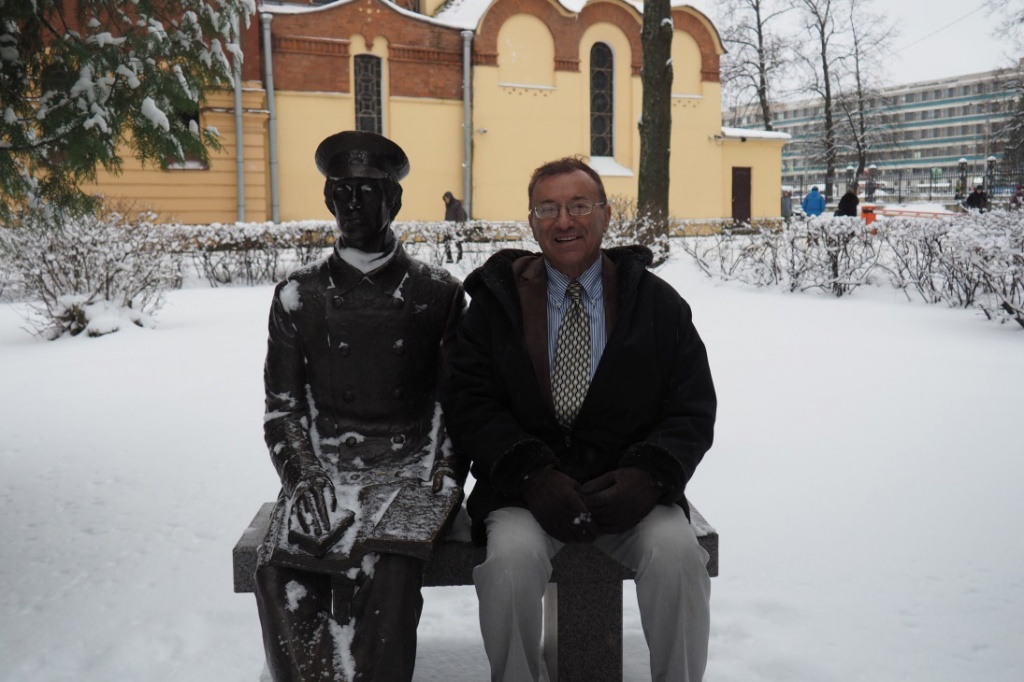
{"x": 478, "y": 93}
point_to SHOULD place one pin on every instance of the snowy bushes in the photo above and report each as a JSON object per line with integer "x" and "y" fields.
{"x": 964, "y": 260}
{"x": 93, "y": 274}
{"x": 262, "y": 253}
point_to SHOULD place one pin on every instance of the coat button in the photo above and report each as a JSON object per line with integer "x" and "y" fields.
{"x": 337, "y": 301}
{"x": 396, "y": 303}
{"x": 399, "y": 393}
{"x": 398, "y": 348}
{"x": 398, "y": 439}
{"x": 345, "y": 350}
{"x": 348, "y": 396}
{"x": 351, "y": 441}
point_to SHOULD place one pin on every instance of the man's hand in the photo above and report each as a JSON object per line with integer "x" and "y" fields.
{"x": 554, "y": 500}
{"x": 620, "y": 499}
{"x": 310, "y": 503}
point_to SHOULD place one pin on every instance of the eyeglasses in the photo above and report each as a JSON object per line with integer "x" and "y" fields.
{"x": 577, "y": 207}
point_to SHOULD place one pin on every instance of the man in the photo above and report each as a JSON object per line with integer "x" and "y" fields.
{"x": 848, "y": 203}
{"x": 787, "y": 205}
{"x": 582, "y": 394}
{"x": 453, "y": 213}
{"x": 813, "y": 204}
{"x": 353, "y": 358}
{"x": 977, "y": 200}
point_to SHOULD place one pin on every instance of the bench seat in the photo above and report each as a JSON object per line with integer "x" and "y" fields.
{"x": 582, "y": 605}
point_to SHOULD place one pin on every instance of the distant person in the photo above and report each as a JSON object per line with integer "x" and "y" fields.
{"x": 1017, "y": 200}
{"x": 453, "y": 213}
{"x": 787, "y": 205}
{"x": 813, "y": 204}
{"x": 977, "y": 200}
{"x": 848, "y": 203}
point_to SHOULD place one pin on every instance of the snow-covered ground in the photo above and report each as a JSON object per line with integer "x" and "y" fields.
{"x": 866, "y": 481}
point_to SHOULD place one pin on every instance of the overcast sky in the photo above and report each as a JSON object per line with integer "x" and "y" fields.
{"x": 938, "y": 38}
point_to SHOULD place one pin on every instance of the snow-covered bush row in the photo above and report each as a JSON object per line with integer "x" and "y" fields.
{"x": 259, "y": 253}
{"x": 974, "y": 260}
{"x": 94, "y": 275}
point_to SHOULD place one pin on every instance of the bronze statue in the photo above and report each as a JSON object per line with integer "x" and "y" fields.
{"x": 369, "y": 481}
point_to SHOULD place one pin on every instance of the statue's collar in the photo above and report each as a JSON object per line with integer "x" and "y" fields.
{"x": 386, "y": 278}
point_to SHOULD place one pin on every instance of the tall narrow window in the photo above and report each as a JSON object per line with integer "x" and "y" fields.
{"x": 601, "y": 100}
{"x": 368, "y": 106}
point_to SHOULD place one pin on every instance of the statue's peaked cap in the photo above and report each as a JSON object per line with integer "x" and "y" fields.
{"x": 357, "y": 154}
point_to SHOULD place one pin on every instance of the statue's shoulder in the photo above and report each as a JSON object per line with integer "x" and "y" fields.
{"x": 432, "y": 274}
{"x": 303, "y": 284}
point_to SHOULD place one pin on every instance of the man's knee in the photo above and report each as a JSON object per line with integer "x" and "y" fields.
{"x": 667, "y": 543}
{"x": 517, "y": 548}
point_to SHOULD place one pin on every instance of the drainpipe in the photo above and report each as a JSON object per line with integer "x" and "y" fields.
{"x": 239, "y": 146}
{"x": 275, "y": 203}
{"x": 467, "y": 121}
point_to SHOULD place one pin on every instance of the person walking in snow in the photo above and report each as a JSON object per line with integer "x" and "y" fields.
{"x": 813, "y": 204}
{"x": 562, "y": 453}
{"x": 848, "y": 203}
{"x": 453, "y": 213}
{"x": 977, "y": 200}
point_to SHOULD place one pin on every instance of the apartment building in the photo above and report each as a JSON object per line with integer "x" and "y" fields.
{"x": 944, "y": 130}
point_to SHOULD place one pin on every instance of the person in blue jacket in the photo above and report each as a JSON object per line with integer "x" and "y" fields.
{"x": 813, "y": 204}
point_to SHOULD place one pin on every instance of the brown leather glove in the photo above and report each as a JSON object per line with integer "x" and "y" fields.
{"x": 554, "y": 500}
{"x": 620, "y": 499}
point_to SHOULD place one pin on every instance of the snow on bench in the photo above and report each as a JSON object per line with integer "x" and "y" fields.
{"x": 582, "y": 605}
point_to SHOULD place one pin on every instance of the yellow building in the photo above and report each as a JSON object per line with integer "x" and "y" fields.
{"x": 478, "y": 93}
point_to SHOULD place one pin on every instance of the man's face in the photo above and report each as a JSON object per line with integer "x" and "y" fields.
{"x": 360, "y": 213}
{"x": 570, "y": 242}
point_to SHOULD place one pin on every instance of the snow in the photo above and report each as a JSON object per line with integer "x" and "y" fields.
{"x": 157, "y": 117}
{"x": 865, "y": 480}
{"x": 754, "y": 134}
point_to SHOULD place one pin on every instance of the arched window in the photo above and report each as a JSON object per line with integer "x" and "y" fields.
{"x": 601, "y": 100}
{"x": 368, "y": 105}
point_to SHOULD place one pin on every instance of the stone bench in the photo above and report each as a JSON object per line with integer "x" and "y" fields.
{"x": 582, "y": 605}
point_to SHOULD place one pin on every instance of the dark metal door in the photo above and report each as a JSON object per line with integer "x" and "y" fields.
{"x": 741, "y": 195}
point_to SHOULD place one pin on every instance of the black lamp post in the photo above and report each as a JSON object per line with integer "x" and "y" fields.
{"x": 961, "y": 188}
{"x": 990, "y": 173}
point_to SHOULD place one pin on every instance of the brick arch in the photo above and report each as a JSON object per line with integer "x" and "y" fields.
{"x": 708, "y": 43}
{"x": 565, "y": 31}
{"x": 617, "y": 15}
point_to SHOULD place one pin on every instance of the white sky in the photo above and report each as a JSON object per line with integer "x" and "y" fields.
{"x": 939, "y": 38}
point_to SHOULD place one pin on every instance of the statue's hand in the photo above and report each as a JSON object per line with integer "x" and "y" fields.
{"x": 310, "y": 502}
{"x": 438, "y": 483}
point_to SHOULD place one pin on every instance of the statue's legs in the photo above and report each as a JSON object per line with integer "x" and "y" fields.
{"x": 384, "y": 645}
{"x": 303, "y": 641}
{"x": 295, "y": 612}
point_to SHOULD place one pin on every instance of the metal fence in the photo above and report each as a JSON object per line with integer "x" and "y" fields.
{"x": 937, "y": 184}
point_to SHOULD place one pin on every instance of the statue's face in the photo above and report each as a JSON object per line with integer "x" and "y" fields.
{"x": 360, "y": 212}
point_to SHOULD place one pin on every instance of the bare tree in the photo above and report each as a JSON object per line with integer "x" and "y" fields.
{"x": 866, "y": 123}
{"x": 821, "y": 59}
{"x": 656, "y": 119}
{"x": 757, "y": 55}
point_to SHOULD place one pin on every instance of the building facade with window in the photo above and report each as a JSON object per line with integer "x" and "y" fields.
{"x": 931, "y": 135}
{"x": 479, "y": 93}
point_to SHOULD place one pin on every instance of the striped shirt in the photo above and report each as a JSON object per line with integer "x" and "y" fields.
{"x": 593, "y": 302}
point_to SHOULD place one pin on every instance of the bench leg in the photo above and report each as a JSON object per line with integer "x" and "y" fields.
{"x": 583, "y": 632}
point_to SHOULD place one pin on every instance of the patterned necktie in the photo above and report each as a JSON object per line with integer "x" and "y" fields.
{"x": 572, "y": 358}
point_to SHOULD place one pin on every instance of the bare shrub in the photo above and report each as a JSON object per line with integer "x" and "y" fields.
{"x": 92, "y": 274}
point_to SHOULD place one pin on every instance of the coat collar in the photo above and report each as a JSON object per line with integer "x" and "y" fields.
{"x": 386, "y": 278}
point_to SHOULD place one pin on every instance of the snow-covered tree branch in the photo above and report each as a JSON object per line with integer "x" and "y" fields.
{"x": 82, "y": 80}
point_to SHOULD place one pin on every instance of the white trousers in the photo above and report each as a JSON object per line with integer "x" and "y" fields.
{"x": 672, "y": 586}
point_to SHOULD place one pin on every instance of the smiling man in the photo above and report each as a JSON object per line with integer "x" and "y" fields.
{"x": 581, "y": 392}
